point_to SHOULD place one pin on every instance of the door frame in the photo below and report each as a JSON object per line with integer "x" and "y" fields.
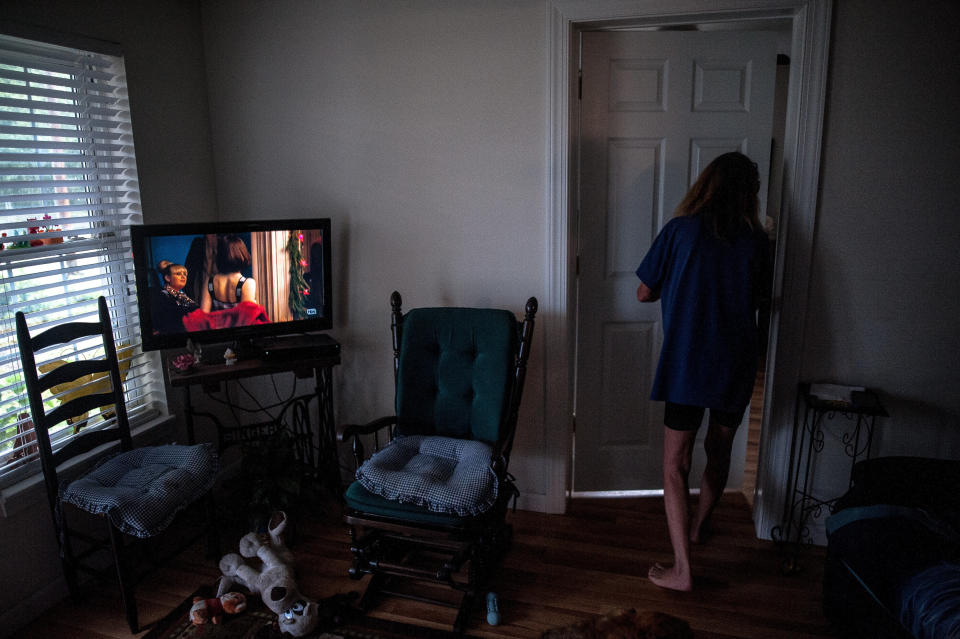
{"x": 810, "y": 21}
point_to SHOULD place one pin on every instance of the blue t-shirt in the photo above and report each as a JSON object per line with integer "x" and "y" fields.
{"x": 709, "y": 293}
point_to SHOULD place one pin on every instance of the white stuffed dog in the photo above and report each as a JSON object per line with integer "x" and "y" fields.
{"x": 274, "y": 580}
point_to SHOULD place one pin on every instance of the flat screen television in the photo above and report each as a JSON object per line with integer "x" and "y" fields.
{"x": 221, "y": 282}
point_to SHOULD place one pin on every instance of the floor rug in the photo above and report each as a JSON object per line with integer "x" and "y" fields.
{"x": 257, "y": 622}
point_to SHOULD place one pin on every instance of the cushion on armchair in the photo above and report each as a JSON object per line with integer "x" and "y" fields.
{"x": 442, "y": 474}
{"x": 142, "y": 490}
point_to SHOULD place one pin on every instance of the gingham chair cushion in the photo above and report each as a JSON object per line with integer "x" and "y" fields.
{"x": 142, "y": 490}
{"x": 442, "y": 474}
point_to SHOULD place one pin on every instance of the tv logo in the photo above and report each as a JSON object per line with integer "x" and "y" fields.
{"x": 311, "y": 311}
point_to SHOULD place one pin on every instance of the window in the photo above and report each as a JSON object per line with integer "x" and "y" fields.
{"x": 68, "y": 195}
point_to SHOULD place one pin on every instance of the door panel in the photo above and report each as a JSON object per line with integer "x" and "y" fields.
{"x": 634, "y": 180}
{"x": 656, "y": 108}
{"x": 624, "y": 344}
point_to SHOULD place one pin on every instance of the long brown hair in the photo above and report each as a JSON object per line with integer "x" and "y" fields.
{"x": 232, "y": 254}
{"x": 725, "y": 196}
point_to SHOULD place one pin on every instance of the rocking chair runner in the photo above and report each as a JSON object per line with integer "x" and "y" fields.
{"x": 137, "y": 492}
{"x": 429, "y": 508}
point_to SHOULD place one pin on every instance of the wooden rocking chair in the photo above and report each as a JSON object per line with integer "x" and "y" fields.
{"x": 427, "y": 513}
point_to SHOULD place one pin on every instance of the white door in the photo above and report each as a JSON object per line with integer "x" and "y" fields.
{"x": 656, "y": 108}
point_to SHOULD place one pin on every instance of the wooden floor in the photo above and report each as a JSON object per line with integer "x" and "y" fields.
{"x": 560, "y": 569}
{"x": 752, "y": 456}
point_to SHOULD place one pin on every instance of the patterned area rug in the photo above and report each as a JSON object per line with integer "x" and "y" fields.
{"x": 257, "y": 622}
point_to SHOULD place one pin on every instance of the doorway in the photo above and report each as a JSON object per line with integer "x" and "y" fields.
{"x": 655, "y": 105}
{"x": 810, "y": 29}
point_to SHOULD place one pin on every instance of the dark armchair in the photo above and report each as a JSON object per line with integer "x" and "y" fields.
{"x": 429, "y": 508}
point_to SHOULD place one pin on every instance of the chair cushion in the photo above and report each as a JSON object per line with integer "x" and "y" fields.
{"x": 455, "y": 371}
{"x": 142, "y": 490}
{"x": 364, "y": 502}
{"x": 442, "y": 474}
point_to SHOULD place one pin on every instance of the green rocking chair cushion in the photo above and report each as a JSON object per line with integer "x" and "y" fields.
{"x": 362, "y": 500}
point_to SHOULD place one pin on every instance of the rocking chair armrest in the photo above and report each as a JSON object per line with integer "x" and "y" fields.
{"x": 498, "y": 464}
{"x": 353, "y": 431}
{"x": 500, "y": 457}
{"x": 349, "y": 431}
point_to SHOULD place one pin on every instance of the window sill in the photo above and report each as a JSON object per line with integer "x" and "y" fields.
{"x": 31, "y": 491}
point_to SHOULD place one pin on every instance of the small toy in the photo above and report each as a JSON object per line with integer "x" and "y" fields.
{"x": 493, "y": 609}
{"x": 204, "y": 610}
{"x": 273, "y": 579}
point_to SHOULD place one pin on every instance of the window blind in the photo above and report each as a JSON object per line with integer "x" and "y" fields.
{"x": 68, "y": 195}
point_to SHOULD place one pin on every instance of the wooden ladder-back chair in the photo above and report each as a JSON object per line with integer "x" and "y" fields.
{"x": 137, "y": 492}
{"x": 427, "y": 513}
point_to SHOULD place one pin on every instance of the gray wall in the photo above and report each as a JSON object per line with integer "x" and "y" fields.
{"x": 419, "y": 127}
{"x": 884, "y": 310}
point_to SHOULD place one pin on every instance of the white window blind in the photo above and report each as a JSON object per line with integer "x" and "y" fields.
{"x": 68, "y": 195}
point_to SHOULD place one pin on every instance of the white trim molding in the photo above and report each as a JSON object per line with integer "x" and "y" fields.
{"x": 810, "y": 20}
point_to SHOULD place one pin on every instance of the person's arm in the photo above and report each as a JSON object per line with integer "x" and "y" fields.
{"x": 205, "y": 301}
{"x": 647, "y": 294}
{"x": 654, "y": 266}
{"x": 249, "y": 290}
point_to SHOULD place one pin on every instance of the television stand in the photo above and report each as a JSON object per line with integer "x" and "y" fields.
{"x": 303, "y": 355}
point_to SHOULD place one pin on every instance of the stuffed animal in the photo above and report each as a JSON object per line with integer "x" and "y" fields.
{"x": 273, "y": 579}
{"x": 204, "y": 610}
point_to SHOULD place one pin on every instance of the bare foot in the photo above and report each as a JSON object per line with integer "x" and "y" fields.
{"x": 670, "y": 577}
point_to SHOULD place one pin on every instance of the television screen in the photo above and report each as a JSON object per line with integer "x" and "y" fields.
{"x": 226, "y": 281}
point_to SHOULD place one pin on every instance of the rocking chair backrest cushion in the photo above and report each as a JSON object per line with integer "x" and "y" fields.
{"x": 454, "y": 372}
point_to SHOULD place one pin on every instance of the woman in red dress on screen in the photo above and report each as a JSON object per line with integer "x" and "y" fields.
{"x": 229, "y": 298}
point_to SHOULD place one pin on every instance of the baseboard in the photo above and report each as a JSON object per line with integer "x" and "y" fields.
{"x": 534, "y": 503}
{"x": 616, "y": 494}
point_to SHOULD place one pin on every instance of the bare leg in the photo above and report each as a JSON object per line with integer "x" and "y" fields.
{"x": 677, "y": 454}
{"x": 717, "y": 444}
